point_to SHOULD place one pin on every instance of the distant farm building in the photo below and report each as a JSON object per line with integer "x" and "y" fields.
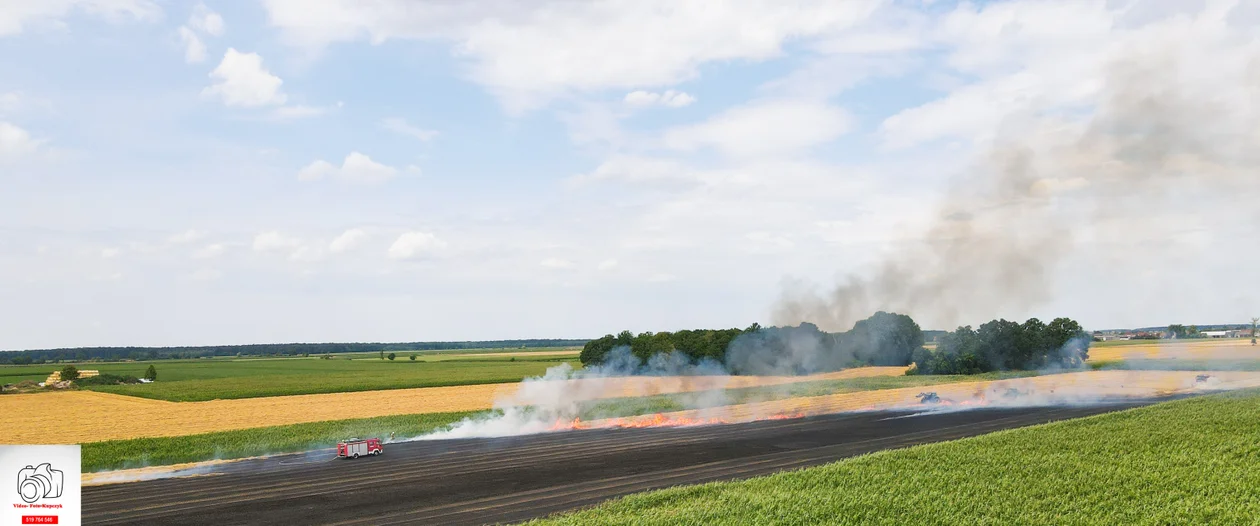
{"x": 1222, "y": 334}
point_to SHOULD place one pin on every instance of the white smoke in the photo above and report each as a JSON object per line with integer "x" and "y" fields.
{"x": 548, "y": 402}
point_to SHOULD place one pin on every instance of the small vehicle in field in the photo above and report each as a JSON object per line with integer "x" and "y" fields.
{"x": 928, "y": 398}
{"x": 356, "y": 447}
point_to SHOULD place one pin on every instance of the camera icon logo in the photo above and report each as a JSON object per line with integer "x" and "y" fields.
{"x": 41, "y": 482}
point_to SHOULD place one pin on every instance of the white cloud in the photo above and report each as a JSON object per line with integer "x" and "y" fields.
{"x": 557, "y": 264}
{"x": 670, "y": 98}
{"x": 110, "y": 252}
{"x": 347, "y": 240}
{"x": 194, "y": 48}
{"x": 636, "y": 169}
{"x": 187, "y": 236}
{"x": 16, "y": 15}
{"x": 356, "y": 167}
{"x": 531, "y": 52}
{"x": 275, "y": 241}
{"x": 241, "y": 80}
{"x": 300, "y": 111}
{"x": 398, "y": 125}
{"x": 607, "y": 264}
{"x": 206, "y": 21}
{"x": 661, "y": 278}
{"x": 767, "y": 128}
{"x": 209, "y": 251}
{"x": 413, "y": 245}
{"x": 16, "y": 142}
{"x": 202, "y": 20}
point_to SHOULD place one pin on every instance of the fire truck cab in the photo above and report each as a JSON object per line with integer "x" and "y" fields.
{"x": 356, "y": 447}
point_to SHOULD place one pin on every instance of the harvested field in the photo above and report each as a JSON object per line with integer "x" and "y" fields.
{"x": 1233, "y": 349}
{"x": 85, "y": 416}
{"x": 1064, "y": 388}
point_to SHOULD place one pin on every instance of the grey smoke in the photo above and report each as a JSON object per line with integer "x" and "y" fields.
{"x": 1156, "y": 143}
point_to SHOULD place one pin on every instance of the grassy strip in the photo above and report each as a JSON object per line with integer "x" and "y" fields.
{"x": 1193, "y": 461}
{"x": 122, "y": 454}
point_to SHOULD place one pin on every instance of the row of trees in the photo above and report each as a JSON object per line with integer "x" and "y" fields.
{"x": 109, "y": 354}
{"x": 1004, "y": 345}
{"x": 883, "y": 339}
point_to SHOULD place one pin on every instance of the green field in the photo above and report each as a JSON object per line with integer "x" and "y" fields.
{"x": 224, "y": 378}
{"x": 1193, "y": 461}
{"x": 122, "y": 454}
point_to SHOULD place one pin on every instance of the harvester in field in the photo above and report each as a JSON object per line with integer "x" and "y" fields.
{"x": 356, "y": 447}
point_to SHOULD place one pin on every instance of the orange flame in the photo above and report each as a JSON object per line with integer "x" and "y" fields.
{"x": 656, "y": 420}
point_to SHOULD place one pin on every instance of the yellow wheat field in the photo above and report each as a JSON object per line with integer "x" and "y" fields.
{"x": 1231, "y": 349}
{"x": 84, "y": 416}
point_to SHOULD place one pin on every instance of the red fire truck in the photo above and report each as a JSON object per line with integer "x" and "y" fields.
{"x": 356, "y": 447}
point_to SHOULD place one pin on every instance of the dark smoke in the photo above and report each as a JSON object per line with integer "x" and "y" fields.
{"x": 1007, "y": 224}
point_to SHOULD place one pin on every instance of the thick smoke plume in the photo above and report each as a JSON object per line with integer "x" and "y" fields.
{"x": 561, "y": 396}
{"x": 1171, "y": 133}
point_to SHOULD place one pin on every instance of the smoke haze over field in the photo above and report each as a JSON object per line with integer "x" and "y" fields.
{"x": 1171, "y": 135}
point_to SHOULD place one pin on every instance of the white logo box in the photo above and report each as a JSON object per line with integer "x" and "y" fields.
{"x": 40, "y": 485}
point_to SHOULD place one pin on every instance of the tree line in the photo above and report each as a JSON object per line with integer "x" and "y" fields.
{"x": 1001, "y": 345}
{"x": 883, "y": 339}
{"x": 109, "y": 354}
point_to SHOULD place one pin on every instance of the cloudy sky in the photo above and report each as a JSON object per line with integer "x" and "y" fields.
{"x": 227, "y": 172}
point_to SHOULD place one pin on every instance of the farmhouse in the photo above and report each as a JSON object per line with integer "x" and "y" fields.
{"x": 1222, "y": 334}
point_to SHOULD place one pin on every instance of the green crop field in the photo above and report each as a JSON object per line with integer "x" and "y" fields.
{"x": 1194, "y": 461}
{"x": 122, "y": 454}
{"x": 224, "y": 378}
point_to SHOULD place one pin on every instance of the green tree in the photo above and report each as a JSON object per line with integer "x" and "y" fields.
{"x": 412, "y": 357}
{"x": 382, "y": 351}
{"x": 69, "y": 373}
{"x": 150, "y": 374}
{"x": 391, "y": 356}
{"x": 595, "y": 350}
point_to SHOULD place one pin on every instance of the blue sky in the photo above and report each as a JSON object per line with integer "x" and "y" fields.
{"x": 223, "y": 172}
